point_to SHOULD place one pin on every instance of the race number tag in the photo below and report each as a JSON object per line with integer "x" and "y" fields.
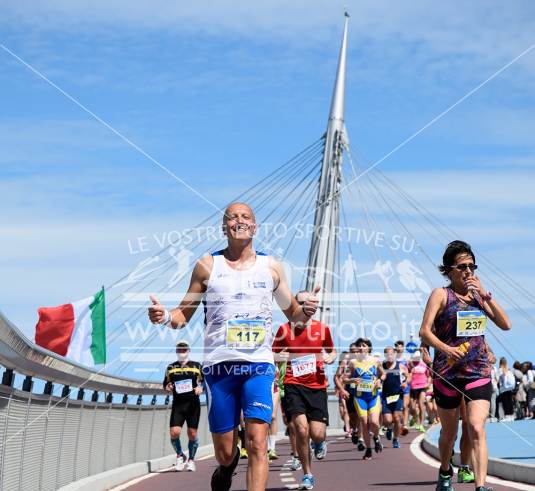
{"x": 365, "y": 386}
{"x": 245, "y": 333}
{"x": 392, "y": 399}
{"x": 183, "y": 386}
{"x": 303, "y": 365}
{"x": 471, "y": 323}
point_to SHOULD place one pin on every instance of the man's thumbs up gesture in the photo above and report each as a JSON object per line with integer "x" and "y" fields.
{"x": 310, "y": 301}
{"x": 158, "y": 314}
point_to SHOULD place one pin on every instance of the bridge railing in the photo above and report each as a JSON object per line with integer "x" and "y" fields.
{"x": 78, "y": 423}
{"x": 61, "y": 422}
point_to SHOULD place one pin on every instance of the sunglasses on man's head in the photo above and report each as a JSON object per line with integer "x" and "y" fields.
{"x": 464, "y": 267}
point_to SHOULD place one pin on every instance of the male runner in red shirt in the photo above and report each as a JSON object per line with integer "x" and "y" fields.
{"x": 306, "y": 347}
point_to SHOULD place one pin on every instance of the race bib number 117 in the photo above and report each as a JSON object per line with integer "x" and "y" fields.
{"x": 245, "y": 333}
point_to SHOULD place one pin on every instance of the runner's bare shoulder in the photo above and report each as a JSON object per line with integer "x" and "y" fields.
{"x": 277, "y": 272}
{"x": 438, "y": 299}
{"x": 439, "y": 295}
{"x": 203, "y": 269}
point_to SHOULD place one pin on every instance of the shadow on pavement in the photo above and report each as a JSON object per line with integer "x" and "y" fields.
{"x": 414, "y": 483}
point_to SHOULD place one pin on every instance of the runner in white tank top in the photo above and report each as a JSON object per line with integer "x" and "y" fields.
{"x": 237, "y": 285}
{"x": 238, "y": 311}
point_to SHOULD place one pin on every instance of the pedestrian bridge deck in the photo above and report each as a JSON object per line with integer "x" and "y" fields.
{"x": 511, "y": 441}
{"x": 342, "y": 470}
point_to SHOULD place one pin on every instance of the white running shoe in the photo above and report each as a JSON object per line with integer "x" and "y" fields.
{"x": 320, "y": 450}
{"x": 180, "y": 463}
{"x": 190, "y": 466}
{"x": 296, "y": 464}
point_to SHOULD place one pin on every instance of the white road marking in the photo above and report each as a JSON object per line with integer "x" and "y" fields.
{"x": 126, "y": 485}
{"x": 427, "y": 459}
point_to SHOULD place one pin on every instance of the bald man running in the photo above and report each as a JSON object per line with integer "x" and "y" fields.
{"x": 237, "y": 286}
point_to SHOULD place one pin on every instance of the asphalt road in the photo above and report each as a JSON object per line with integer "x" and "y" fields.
{"x": 343, "y": 469}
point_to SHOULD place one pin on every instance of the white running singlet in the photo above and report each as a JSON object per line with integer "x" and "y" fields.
{"x": 238, "y": 307}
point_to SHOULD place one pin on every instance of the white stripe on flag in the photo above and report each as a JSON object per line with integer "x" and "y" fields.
{"x": 82, "y": 336}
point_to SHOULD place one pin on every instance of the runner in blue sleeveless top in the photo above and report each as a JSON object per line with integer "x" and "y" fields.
{"x": 367, "y": 374}
{"x": 395, "y": 380}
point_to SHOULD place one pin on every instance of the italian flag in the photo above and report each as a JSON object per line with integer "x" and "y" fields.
{"x": 75, "y": 330}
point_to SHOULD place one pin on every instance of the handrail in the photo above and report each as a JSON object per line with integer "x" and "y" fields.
{"x": 17, "y": 352}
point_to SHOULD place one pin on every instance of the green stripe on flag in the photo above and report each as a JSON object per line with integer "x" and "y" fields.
{"x": 98, "y": 319}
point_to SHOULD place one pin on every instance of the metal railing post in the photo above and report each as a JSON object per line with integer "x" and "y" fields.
{"x": 21, "y": 461}
{"x": 27, "y": 384}
{"x": 76, "y": 442}
{"x": 49, "y": 388}
{"x": 8, "y": 377}
{"x": 61, "y": 440}
{"x": 44, "y": 441}
{"x": 2, "y": 456}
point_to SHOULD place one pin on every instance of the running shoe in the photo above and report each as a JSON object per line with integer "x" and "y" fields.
{"x": 360, "y": 445}
{"x": 389, "y": 434}
{"x": 465, "y": 475}
{"x": 395, "y": 443}
{"x": 355, "y": 438}
{"x": 445, "y": 481}
{"x": 296, "y": 464}
{"x": 378, "y": 444}
{"x": 190, "y": 466}
{"x": 404, "y": 431}
{"x": 180, "y": 463}
{"x": 382, "y": 431}
{"x": 243, "y": 453}
{"x": 320, "y": 450}
{"x": 484, "y": 488}
{"x": 420, "y": 428}
{"x": 307, "y": 482}
{"x": 412, "y": 423}
{"x": 272, "y": 455}
{"x": 367, "y": 454}
{"x": 222, "y": 476}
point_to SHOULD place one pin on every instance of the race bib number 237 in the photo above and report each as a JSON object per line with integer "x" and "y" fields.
{"x": 471, "y": 323}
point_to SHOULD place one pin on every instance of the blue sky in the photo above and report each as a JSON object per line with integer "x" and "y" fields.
{"x": 221, "y": 93}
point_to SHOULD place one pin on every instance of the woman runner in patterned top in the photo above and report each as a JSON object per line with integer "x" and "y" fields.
{"x": 454, "y": 324}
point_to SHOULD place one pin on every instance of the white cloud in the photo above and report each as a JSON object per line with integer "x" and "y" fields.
{"x": 440, "y": 38}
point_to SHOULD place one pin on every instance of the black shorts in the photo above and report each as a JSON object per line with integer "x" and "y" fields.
{"x": 350, "y": 405}
{"x": 448, "y": 393}
{"x": 299, "y": 399}
{"x": 415, "y": 393}
{"x": 186, "y": 409}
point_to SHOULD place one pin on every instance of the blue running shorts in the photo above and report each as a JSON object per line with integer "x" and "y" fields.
{"x": 232, "y": 387}
{"x": 392, "y": 407}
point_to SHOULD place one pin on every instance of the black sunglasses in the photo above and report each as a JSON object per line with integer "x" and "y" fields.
{"x": 464, "y": 267}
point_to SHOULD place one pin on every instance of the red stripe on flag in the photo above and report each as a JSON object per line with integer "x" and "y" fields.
{"x": 54, "y": 328}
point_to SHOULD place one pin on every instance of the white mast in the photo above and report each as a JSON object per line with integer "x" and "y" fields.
{"x": 323, "y": 247}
